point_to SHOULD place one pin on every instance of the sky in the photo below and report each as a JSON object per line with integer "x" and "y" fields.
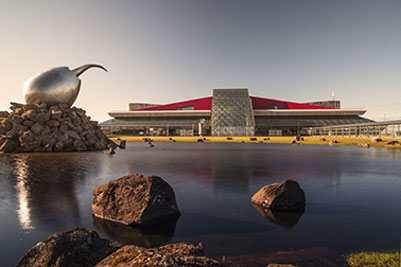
{"x": 163, "y": 51}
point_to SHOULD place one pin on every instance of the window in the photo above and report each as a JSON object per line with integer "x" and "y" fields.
{"x": 186, "y": 108}
{"x": 276, "y": 107}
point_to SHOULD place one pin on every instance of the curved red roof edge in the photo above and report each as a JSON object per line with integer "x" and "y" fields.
{"x": 205, "y": 103}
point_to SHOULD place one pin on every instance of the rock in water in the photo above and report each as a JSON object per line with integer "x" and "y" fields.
{"x": 57, "y": 128}
{"x": 180, "y": 254}
{"x": 78, "y": 247}
{"x": 135, "y": 200}
{"x": 286, "y": 195}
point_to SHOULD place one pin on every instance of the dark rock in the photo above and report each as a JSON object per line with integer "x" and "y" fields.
{"x": 26, "y": 137}
{"x": 123, "y": 144}
{"x": 392, "y": 142}
{"x": 43, "y": 117}
{"x": 56, "y": 114}
{"x": 112, "y": 145}
{"x": 200, "y": 140}
{"x": 34, "y": 145}
{"x": 286, "y": 195}
{"x": 79, "y": 145}
{"x": 4, "y": 114}
{"x": 78, "y": 247}
{"x": 58, "y": 147}
{"x": 323, "y": 139}
{"x": 52, "y": 123}
{"x": 7, "y": 124}
{"x": 29, "y": 115}
{"x": 42, "y": 106}
{"x": 37, "y": 128}
{"x": 135, "y": 200}
{"x": 73, "y": 135}
{"x": 293, "y": 141}
{"x": 16, "y": 119}
{"x": 180, "y": 254}
{"x": 8, "y": 146}
{"x": 28, "y": 123}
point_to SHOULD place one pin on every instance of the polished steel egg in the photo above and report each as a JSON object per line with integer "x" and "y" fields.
{"x": 55, "y": 86}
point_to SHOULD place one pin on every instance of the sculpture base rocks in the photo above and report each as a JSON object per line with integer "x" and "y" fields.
{"x": 42, "y": 128}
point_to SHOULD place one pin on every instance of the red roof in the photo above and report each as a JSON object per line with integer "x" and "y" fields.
{"x": 266, "y": 103}
{"x": 198, "y": 104}
{"x": 257, "y": 103}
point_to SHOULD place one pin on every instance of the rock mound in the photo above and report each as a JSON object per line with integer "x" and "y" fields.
{"x": 135, "y": 200}
{"x": 78, "y": 247}
{"x": 39, "y": 128}
{"x": 286, "y": 195}
{"x": 180, "y": 254}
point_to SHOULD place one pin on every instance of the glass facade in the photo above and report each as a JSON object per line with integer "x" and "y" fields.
{"x": 232, "y": 113}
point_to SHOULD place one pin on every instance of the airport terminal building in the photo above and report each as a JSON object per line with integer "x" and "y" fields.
{"x": 229, "y": 112}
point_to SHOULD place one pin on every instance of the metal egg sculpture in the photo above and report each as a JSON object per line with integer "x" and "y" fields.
{"x": 55, "y": 86}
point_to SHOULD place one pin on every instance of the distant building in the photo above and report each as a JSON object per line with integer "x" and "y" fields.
{"x": 229, "y": 112}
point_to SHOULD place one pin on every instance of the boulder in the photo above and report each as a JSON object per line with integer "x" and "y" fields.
{"x": 286, "y": 195}
{"x": 135, "y": 200}
{"x": 180, "y": 254}
{"x": 78, "y": 247}
{"x": 123, "y": 144}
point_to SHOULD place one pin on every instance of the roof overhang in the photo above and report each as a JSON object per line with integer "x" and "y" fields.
{"x": 159, "y": 113}
{"x": 307, "y": 112}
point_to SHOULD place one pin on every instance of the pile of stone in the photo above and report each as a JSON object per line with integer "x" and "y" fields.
{"x": 42, "y": 128}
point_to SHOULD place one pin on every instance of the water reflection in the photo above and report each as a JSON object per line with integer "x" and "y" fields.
{"x": 23, "y": 211}
{"x": 280, "y": 218}
{"x": 45, "y": 190}
{"x": 156, "y": 236}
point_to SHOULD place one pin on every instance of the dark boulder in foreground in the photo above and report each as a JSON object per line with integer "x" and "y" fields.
{"x": 78, "y": 247}
{"x": 286, "y": 195}
{"x": 180, "y": 254}
{"x": 135, "y": 200}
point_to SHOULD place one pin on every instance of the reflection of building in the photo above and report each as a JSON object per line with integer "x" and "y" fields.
{"x": 229, "y": 112}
